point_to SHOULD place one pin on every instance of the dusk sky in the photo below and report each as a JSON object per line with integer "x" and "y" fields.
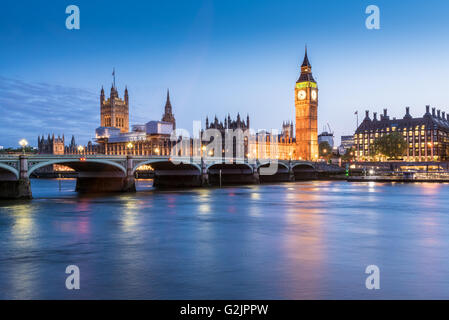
{"x": 216, "y": 57}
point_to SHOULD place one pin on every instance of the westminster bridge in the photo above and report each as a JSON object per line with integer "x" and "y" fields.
{"x": 106, "y": 173}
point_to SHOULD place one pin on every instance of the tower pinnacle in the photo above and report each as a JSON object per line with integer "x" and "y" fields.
{"x": 306, "y": 70}
{"x": 168, "y": 114}
{"x": 306, "y": 62}
{"x": 113, "y": 77}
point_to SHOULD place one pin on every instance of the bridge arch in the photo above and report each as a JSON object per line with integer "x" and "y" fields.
{"x": 162, "y": 162}
{"x": 268, "y": 163}
{"x": 74, "y": 163}
{"x": 10, "y": 169}
{"x": 303, "y": 165}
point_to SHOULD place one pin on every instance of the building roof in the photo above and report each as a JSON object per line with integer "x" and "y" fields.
{"x": 436, "y": 120}
{"x": 306, "y": 70}
{"x": 306, "y": 62}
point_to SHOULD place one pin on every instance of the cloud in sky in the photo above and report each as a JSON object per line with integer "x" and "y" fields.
{"x": 31, "y": 109}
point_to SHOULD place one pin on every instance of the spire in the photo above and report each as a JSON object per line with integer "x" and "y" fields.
{"x": 306, "y": 70}
{"x": 306, "y": 62}
{"x": 101, "y": 96}
{"x": 126, "y": 95}
{"x": 168, "y": 114}
{"x": 113, "y": 76}
{"x": 168, "y": 104}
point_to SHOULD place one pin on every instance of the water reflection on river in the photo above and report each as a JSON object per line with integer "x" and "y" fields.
{"x": 281, "y": 241}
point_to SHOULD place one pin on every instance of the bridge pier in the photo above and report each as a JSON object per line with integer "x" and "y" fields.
{"x": 180, "y": 181}
{"x": 100, "y": 185}
{"x": 204, "y": 174}
{"x": 256, "y": 176}
{"x": 291, "y": 174}
{"x": 17, "y": 188}
{"x": 87, "y": 182}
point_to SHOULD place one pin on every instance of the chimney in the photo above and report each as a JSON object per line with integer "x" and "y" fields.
{"x": 375, "y": 116}
{"x": 433, "y": 112}
{"x": 427, "y": 109}
{"x": 407, "y": 113}
{"x": 443, "y": 115}
{"x": 367, "y": 115}
{"x": 384, "y": 116}
{"x": 439, "y": 114}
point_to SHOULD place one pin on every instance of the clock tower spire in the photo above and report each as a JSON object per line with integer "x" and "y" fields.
{"x": 306, "y": 107}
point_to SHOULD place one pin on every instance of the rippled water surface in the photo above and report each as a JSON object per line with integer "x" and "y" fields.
{"x": 282, "y": 241}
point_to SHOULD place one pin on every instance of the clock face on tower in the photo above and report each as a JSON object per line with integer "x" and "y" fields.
{"x": 301, "y": 94}
{"x": 313, "y": 94}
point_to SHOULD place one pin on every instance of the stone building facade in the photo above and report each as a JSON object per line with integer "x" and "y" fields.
{"x": 152, "y": 138}
{"x": 427, "y": 137}
{"x": 114, "y": 112}
{"x": 51, "y": 145}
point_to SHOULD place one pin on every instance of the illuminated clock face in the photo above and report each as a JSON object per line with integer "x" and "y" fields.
{"x": 313, "y": 94}
{"x": 301, "y": 94}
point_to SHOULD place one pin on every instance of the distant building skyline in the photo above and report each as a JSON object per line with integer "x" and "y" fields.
{"x": 49, "y": 75}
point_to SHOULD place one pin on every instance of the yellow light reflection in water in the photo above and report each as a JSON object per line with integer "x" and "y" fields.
{"x": 305, "y": 242}
{"x": 23, "y": 279}
{"x": 255, "y": 196}
{"x": 130, "y": 216}
{"x": 204, "y": 208}
{"x": 204, "y": 201}
{"x": 23, "y": 222}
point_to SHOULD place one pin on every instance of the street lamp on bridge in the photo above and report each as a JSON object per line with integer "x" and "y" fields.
{"x": 23, "y": 143}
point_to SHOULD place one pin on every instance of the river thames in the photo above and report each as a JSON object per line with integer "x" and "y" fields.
{"x": 302, "y": 240}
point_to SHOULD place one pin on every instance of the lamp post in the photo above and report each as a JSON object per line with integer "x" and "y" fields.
{"x": 80, "y": 149}
{"x": 23, "y": 143}
{"x": 129, "y": 146}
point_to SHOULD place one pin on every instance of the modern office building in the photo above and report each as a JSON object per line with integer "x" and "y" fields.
{"x": 347, "y": 142}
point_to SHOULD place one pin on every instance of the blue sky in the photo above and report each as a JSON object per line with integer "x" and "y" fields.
{"x": 216, "y": 57}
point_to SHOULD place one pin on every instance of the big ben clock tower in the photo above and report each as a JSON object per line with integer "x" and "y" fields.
{"x": 306, "y": 105}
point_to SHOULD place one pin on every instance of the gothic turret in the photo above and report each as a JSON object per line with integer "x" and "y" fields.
{"x": 168, "y": 115}
{"x": 114, "y": 112}
{"x": 126, "y": 96}
{"x": 101, "y": 96}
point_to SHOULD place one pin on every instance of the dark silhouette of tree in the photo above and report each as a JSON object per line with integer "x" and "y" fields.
{"x": 392, "y": 145}
{"x": 325, "y": 150}
{"x": 349, "y": 154}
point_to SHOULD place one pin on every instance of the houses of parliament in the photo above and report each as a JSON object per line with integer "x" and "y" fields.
{"x": 114, "y": 137}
